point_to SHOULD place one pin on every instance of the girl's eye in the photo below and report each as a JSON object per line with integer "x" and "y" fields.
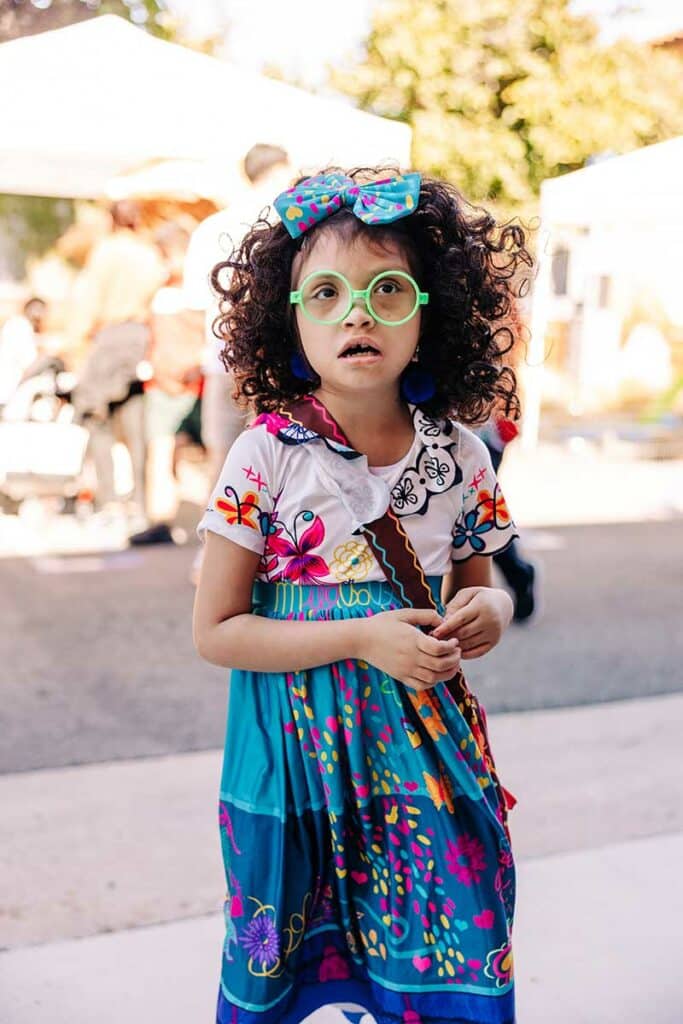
{"x": 324, "y": 293}
{"x": 388, "y": 287}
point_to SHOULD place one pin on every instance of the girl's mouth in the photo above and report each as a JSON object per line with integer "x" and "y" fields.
{"x": 361, "y": 351}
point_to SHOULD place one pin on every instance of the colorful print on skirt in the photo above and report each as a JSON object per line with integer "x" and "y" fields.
{"x": 365, "y": 843}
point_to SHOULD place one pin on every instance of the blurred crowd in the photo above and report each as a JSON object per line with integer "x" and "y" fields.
{"x": 135, "y": 362}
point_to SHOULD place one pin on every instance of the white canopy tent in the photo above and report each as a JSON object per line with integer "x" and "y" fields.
{"x": 625, "y": 210}
{"x": 644, "y": 185}
{"x": 102, "y": 97}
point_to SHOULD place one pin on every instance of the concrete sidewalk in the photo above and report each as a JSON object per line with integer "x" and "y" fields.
{"x": 597, "y": 942}
{"x": 555, "y": 485}
{"x": 114, "y": 847}
{"x": 105, "y": 847}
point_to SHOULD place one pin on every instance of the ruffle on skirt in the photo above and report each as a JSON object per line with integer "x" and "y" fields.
{"x": 366, "y": 851}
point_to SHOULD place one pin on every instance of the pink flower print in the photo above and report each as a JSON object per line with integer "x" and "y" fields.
{"x": 303, "y": 566}
{"x": 333, "y": 966}
{"x": 499, "y": 965}
{"x": 465, "y": 859}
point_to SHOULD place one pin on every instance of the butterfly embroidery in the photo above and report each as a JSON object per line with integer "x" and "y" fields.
{"x": 440, "y": 791}
{"x": 244, "y": 511}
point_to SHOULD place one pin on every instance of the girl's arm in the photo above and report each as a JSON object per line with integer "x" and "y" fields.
{"x": 226, "y": 632}
{"x": 475, "y": 572}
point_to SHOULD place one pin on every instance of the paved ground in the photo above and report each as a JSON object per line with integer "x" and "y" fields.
{"x": 589, "y": 950}
{"x": 114, "y": 674}
{"x": 112, "y": 727}
{"x": 104, "y": 848}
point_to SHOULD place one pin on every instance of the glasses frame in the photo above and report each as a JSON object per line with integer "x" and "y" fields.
{"x": 421, "y": 298}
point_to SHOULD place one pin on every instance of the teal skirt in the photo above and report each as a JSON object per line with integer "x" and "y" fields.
{"x": 364, "y": 837}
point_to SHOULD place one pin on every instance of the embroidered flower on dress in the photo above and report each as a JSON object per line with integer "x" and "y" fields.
{"x": 424, "y": 703}
{"x": 499, "y": 965}
{"x": 261, "y": 940}
{"x": 470, "y": 531}
{"x": 352, "y": 561}
{"x": 465, "y": 859}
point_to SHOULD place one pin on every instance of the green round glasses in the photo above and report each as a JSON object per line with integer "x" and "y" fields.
{"x": 392, "y": 297}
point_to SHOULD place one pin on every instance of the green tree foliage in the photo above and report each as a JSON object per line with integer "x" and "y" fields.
{"x": 30, "y": 226}
{"x": 504, "y": 93}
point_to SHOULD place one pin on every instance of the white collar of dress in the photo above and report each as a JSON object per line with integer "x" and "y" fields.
{"x": 432, "y": 433}
{"x": 366, "y": 496}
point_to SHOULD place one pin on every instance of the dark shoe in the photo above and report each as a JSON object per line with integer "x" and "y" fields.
{"x": 525, "y": 599}
{"x": 160, "y": 533}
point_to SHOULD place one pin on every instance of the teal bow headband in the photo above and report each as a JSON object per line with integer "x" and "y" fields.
{"x": 377, "y": 202}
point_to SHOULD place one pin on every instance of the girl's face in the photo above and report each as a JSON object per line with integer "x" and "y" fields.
{"x": 326, "y": 346}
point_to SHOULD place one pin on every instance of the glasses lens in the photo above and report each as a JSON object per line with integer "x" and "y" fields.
{"x": 326, "y": 298}
{"x": 393, "y": 298}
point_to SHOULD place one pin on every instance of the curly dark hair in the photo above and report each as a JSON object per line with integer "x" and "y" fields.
{"x": 473, "y": 269}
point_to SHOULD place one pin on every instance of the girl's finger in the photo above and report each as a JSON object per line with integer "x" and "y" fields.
{"x": 443, "y": 665}
{"x": 452, "y": 623}
{"x": 470, "y": 633}
{"x": 419, "y": 616}
{"x": 476, "y": 652}
{"x": 436, "y": 647}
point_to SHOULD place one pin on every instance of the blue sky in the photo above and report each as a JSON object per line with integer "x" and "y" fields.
{"x": 302, "y": 36}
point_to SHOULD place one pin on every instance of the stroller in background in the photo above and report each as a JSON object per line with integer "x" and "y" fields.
{"x": 42, "y": 449}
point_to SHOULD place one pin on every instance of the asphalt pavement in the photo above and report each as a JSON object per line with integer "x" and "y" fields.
{"x": 97, "y": 663}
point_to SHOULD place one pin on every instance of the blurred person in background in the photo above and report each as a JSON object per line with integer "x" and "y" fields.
{"x": 175, "y": 357}
{"x": 109, "y": 337}
{"x": 519, "y": 574}
{"x": 268, "y": 171}
{"x": 19, "y": 346}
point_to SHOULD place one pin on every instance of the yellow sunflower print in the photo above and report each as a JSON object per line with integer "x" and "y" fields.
{"x": 351, "y": 562}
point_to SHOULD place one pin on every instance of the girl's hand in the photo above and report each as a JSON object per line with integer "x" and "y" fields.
{"x": 478, "y": 617}
{"x": 391, "y": 642}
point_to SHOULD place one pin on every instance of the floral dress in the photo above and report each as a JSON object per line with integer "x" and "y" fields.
{"x": 365, "y": 843}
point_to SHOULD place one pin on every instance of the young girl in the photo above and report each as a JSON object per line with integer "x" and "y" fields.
{"x": 363, "y": 826}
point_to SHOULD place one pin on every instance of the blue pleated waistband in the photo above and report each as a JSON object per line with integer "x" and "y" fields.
{"x": 287, "y": 599}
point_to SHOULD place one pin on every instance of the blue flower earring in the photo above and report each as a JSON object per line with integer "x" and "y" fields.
{"x": 300, "y": 368}
{"x": 417, "y": 385}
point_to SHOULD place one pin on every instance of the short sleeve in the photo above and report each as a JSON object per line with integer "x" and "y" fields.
{"x": 483, "y": 525}
{"x": 242, "y": 503}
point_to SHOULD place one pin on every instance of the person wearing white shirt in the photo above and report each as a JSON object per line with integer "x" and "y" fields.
{"x": 268, "y": 171}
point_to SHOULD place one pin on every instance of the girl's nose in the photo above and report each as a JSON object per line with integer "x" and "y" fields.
{"x": 359, "y": 315}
